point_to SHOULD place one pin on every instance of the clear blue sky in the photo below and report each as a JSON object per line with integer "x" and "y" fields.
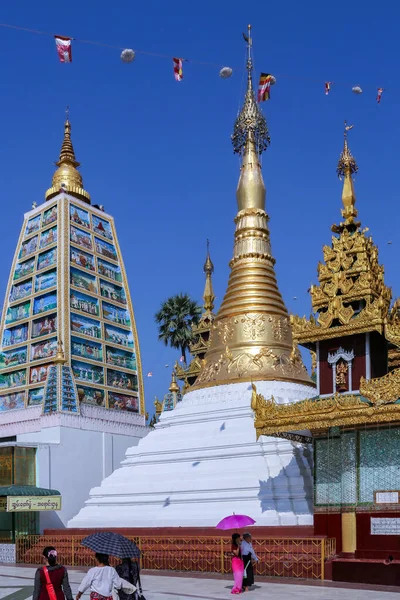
{"x": 157, "y": 153}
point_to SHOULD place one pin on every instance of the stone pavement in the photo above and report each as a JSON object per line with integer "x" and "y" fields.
{"x": 16, "y": 584}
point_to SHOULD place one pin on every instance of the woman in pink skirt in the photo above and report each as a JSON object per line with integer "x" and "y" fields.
{"x": 237, "y": 564}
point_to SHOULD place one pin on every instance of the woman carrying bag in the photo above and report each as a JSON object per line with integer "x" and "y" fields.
{"x": 51, "y": 581}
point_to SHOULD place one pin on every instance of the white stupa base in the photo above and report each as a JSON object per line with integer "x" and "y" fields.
{"x": 203, "y": 462}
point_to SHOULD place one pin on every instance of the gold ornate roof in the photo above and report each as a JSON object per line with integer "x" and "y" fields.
{"x": 251, "y": 335}
{"x": 351, "y": 296}
{"x": 67, "y": 176}
{"x": 319, "y": 414}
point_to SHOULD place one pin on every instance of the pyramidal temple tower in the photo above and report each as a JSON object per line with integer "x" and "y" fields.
{"x": 71, "y": 391}
{"x": 202, "y": 461}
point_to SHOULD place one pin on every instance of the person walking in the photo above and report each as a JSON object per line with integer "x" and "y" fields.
{"x": 101, "y": 580}
{"x": 249, "y": 556}
{"x": 129, "y": 571}
{"x": 237, "y": 564}
{"x": 51, "y": 580}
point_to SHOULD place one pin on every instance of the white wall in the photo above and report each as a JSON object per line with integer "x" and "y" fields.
{"x": 73, "y": 461}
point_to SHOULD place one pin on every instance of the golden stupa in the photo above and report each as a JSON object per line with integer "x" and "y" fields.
{"x": 251, "y": 336}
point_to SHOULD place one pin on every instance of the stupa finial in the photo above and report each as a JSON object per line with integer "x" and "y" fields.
{"x": 208, "y": 295}
{"x": 60, "y": 357}
{"x": 346, "y": 168}
{"x": 250, "y": 125}
{"x": 67, "y": 177}
{"x": 174, "y": 387}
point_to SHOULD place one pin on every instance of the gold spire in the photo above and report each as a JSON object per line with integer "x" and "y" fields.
{"x": 174, "y": 387}
{"x": 346, "y": 168}
{"x": 251, "y": 337}
{"x": 59, "y": 358}
{"x": 208, "y": 295}
{"x": 67, "y": 176}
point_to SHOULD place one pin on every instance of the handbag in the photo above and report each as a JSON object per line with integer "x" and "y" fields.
{"x": 140, "y": 596}
{"x": 49, "y": 586}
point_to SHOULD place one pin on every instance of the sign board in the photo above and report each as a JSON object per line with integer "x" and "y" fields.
{"x": 33, "y": 503}
{"x": 391, "y": 497}
{"x": 385, "y": 526}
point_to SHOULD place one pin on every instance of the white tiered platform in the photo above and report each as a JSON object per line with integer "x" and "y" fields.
{"x": 203, "y": 462}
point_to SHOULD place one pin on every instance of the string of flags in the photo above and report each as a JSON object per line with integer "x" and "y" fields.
{"x": 128, "y": 55}
{"x": 356, "y": 90}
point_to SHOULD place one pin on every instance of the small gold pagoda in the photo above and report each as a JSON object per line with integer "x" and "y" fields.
{"x": 201, "y": 331}
{"x": 251, "y": 335}
{"x": 354, "y": 419}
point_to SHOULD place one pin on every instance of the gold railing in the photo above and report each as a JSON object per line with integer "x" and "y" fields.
{"x": 278, "y": 557}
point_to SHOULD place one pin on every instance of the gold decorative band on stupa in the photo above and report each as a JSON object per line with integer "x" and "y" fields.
{"x": 67, "y": 177}
{"x": 251, "y": 337}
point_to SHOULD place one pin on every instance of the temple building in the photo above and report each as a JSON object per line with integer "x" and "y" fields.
{"x": 71, "y": 390}
{"x": 202, "y": 331}
{"x": 353, "y": 419}
{"x": 202, "y": 461}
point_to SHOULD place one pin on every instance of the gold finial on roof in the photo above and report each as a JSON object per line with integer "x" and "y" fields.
{"x": 208, "y": 295}
{"x": 67, "y": 177}
{"x": 251, "y": 336}
{"x": 59, "y": 358}
{"x": 346, "y": 168}
{"x": 174, "y": 387}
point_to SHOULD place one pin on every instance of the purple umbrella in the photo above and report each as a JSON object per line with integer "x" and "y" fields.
{"x": 235, "y": 522}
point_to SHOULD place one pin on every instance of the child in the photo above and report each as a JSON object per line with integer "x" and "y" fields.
{"x": 248, "y": 556}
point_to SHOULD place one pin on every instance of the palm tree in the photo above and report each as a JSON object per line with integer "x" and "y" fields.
{"x": 174, "y": 320}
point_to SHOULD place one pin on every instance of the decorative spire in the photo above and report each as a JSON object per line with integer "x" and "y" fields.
{"x": 67, "y": 177}
{"x": 208, "y": 295}
{"x": 59, "y": 358}
{"x": 250, "y": 123}
{"x": 346, "y": 168}
{"x": 174, "y": 387}
{"x": 251, "y": 336}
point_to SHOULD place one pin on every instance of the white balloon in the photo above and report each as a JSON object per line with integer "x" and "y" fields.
{"x": 127, "y": 55}
{"x": 225, "y": 72}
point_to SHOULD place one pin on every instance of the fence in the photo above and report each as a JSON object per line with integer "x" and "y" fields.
{"x": 279, "y": 557}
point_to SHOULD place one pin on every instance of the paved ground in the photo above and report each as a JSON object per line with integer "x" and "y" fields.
{"x": 16, "y": 584}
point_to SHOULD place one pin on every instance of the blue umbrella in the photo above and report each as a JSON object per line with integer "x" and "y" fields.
{"x": 113, "y": 544}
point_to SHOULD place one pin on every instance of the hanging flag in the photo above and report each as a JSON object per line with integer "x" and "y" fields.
{"x": 328, "y": 87}
{"x": 264, "y": 87}
{"x": 178, "y": 71}
{"x": 64, "y": 49}
{"x": 378, "y": 98}
{"x": 182, "y": 358}
{"x": 150, "y": 374}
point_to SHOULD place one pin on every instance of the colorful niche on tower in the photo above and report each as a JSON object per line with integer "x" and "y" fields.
{"x": 109, "y": 270}
{"x": 84, "y": 281}
{"x": 121, "y": 380}
{"x": 13, "y": 358}
{"x": 47, "y": 259}
{"x": 105, "y": 249}
{"x": 85, "y": 303}
{"x": 24, "y": 269}
{"x": 46, "y": 280}
{"x": 120, "y": 358}
{"x": 48, "y": 237}
{"x": 32, "y": 225}
{"x": 82, "y": 259}
{"x": 85, "y": 326}
{"x": 120, "y": 316}
{"x": 14, "y": 379}
{"x": 35, "y": 396}
{"x": 44, "y": 326}
{"x": 20, "y": 291}
{"x": 118, "y": 336}
{"x": 49, "y": 216}
{"x": 79, "y": 216}
{"x": 12, "y": 401}
{"x": 28, "y": 247}
{"x": 18, "y": 313}
{"x": 43, "y": 350}
{"x": 44, "y": 303}
{"x": 38, "y": 374}
{"x": 87, "y": 373}
{"x": 15, "y": 335}
{"x": 89, "y": 395}
{"x": 102, "y": 227}
{"x": 81, "y": 238}
{"x": 123, "y": 402}
{"x": 86, "y": 349}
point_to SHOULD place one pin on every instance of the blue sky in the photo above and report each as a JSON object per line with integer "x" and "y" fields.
{"x": 158, "y": 155}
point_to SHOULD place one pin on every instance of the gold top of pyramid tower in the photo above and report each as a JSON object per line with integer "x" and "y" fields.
{"x": 67, "y": 177}
{"x": 251, "y": 336}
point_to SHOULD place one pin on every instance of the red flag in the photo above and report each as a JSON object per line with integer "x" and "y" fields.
{"x": 150, "y": 374}
{"x": 178, "y": 70}
{"x": 64, "y": 49}
{"x": 182, "y": 358}
{"x": 328, "y": 87}
{"x": 378, "y": 98}
{"x": 264, "y": 87}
